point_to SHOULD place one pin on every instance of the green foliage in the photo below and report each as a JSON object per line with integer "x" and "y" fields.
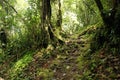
{"x": 22, "y": 29}
{"x": 80, "y": 19}
{"x": 88, "y": 13}
{"x": 16, "y": 70}
{"x": 107, "y": 36}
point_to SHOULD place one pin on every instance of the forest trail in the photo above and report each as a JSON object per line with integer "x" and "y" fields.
{"x": 65, "y": 62}
{"x": 59, "y": 40}
{"x": 62, "y": 63}
{"x": 68, "y": 67}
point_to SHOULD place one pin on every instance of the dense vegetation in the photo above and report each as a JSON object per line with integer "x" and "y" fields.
{"x": 59, "y": 40}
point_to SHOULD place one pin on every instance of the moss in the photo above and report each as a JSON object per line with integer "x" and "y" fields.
{"x": 16, "y": 70}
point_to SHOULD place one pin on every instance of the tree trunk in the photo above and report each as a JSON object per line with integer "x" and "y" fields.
{"x": 47, "y": 35}
{"x": 111, "y": 38}
{"x": 59, "y": 15}
{"x": 108, "y": 19}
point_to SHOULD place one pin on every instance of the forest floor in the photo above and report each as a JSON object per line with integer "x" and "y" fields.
{"x": 69, "y": 61}
{"x": 60, "y": 63}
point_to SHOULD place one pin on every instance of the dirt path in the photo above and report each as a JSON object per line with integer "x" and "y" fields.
{"x": 64, "y": 64}
{"x": 67, "y": 68}
{"x": 58, "y": 64}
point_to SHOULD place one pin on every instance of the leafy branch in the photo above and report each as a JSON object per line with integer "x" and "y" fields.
{"x": 10, "y": 5}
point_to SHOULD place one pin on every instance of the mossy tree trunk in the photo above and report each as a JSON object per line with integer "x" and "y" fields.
{"x": 109, "y": 36}
{"x": 108, "y": 18}
{"x": 47, "y": 35}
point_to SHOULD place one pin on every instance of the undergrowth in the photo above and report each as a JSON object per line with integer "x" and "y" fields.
{"x": 86, "y": 58}
{"x": 102, "y": 61}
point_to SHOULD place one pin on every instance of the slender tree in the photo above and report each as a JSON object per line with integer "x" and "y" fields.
{"x": 59, "y": 15}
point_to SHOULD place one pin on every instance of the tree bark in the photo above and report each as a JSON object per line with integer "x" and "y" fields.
{"x": 108, "y": 19}
{"x": 100, "y": 7}
{"x": 112, "y": 27}
{"x": 59, "y": 15}
{"x": 48, "y": 36}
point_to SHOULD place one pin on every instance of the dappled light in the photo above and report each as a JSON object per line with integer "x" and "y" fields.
{"x": 59, "y": 40}
{"x": 21, "y": 5}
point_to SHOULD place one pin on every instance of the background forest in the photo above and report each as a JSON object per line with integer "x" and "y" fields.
{"x": 59, "y": 40}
